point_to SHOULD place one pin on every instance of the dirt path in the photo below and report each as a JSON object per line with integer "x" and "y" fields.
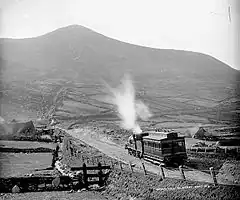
{"x": 113, "y": 150}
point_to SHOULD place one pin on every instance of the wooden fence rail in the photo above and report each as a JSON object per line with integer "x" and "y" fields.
{"x": 231, "y": 150}
{"x": 89, "y": 168}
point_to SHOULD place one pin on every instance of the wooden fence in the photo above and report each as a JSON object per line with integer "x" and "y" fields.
{"x": 230, "y": 150}
{"x": 46, "y": 183}
{"x": 96, "y": 172}
{"x": 130, "y": 166}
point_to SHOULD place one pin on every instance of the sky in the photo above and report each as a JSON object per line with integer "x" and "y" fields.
{"x": 205, "y": 26}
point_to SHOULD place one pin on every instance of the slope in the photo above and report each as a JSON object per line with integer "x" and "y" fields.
{"x": 77, "y": 59}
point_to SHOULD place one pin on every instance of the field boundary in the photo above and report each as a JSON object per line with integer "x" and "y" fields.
{"x": 25, "y": 150}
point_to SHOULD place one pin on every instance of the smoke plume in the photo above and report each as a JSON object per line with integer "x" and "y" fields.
{"x": 129, "y": 109}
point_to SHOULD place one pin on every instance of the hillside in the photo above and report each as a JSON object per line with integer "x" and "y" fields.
{"x": 61, "y": 74}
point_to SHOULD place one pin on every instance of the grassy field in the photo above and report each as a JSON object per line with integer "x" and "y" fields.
{"x": 71, "y": 100}
{"x": 66, "y": 195}
{"x": 19, "y": 164}
{"x": 25, "y": 144}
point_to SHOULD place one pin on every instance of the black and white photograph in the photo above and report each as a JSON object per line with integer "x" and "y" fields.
{"x": 119, "y": 99}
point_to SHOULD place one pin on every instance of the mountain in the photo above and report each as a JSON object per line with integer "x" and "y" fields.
{"x": 62, "y": 72}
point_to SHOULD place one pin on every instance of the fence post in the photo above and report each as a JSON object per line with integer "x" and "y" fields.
{"x": 80, "y": 180}
{"x": 130, "y": 165}
{"x": 82, "y": 158}
{"x": 225, "y": 150}
{"x": 181, "y": 172}
{"x": 100, "y": 173}
{"x": 212, "y": 172}
{"x": 144, "y": 169}
{"x": 162, "y": 172}
{"x": 85, "y": 177}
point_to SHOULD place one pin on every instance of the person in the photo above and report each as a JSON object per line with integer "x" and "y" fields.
{"x": 55, "y": 156}
{"x": 57, "y": 149}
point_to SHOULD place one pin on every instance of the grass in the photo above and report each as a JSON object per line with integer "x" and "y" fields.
{"x": 166, "y": 97}
{"x": 18, "y": 164}
{"x": 83, "y": 195}
{"x": 25, "y": 144}
{"x": 125, "y": 184}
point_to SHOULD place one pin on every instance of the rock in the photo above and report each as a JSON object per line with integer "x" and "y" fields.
{"x": 15, "y": 189}
{"x": 56, "y": 182}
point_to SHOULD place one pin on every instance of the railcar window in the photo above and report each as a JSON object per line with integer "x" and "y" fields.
{"x": 149, "y": 144}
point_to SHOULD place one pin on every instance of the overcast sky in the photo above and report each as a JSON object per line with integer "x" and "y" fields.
{"x": 196, "y": 25}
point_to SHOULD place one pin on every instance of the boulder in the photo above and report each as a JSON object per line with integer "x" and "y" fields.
{"x": 56, "y": 182}
{"x": 16, "y": 189}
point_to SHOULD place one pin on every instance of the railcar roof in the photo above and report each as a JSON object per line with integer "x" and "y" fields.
{"x": 158, "y": 135}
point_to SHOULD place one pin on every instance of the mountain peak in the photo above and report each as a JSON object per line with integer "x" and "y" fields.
{"x": 71, "y": 29}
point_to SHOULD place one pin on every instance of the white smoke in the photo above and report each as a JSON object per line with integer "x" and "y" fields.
{"x": 190, "y": 132}
{"x": 129, "y": 109}
{"x": 2, "y": 120}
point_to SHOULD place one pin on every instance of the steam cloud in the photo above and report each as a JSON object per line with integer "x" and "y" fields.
{"x": 129, "y": 109}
